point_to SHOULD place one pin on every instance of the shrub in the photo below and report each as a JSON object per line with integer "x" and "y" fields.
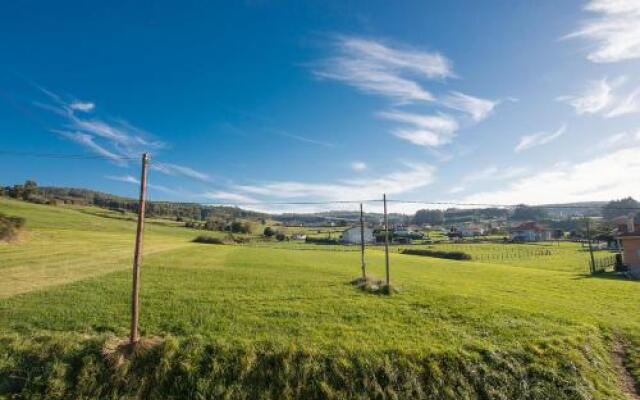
{"x": 321, "y": 240}
{"x": 10, "y": 226}
{"x": 451, "y": 255}
{"x": 208, "y": 240}
{"x": 280, "y": 236}
{"x": 268, "y": 231}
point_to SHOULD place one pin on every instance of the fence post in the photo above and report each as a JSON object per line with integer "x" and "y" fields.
{"x": 386, "y": 241}
{"x": 364, "y": 268}
{"x": 137, "y": 255}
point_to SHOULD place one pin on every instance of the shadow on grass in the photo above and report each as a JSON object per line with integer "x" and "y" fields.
{"x": 611, "y": 275}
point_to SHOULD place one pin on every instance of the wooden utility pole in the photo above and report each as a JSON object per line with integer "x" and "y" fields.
{"x": 364, "y": 268}
{"x": 593, "y": 261}
{"x": 386, "y": 240}
{"x": 137, "y": 255}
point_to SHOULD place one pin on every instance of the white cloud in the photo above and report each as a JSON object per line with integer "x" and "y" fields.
{"x": 630, "y": 104}
{"x": 614, "y": 33}
{"x": 602, "y": 178}
{"x": 423, "y": 130}
{"x": 82, "y": 106}
{"x": 476, "y": 107}
{"x": 374, "y": 67}
{"x": 538, "y": 139}
{"x": 595, "y": 98}
{"x": 358, "y": 166}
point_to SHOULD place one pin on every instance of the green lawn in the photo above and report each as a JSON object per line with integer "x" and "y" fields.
{"x": 530, "y": 327}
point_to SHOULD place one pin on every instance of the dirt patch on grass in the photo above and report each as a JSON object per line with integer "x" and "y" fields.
{"x": 373, "y": 285}
{"x": 117, "y": 351}
{"x": 626, "y": 382}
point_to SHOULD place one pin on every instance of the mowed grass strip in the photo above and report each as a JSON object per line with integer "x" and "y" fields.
{"x": 63, "y": 244}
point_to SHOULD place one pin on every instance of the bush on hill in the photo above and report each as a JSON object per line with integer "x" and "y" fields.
{"x": 208, "y": 240}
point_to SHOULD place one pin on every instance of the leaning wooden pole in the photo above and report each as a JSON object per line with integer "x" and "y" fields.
{"x": 386, "y": 241}
{"x": 137, "y": 254}
{"x": 362, "y": 263}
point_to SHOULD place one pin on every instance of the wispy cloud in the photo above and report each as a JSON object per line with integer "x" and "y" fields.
{"x": 601, "y": 178}
{"x": 135, "y": 181}
{"x": 476, "y": 107}
{"x": 614, "y": 33}
{"x": 538, "y": 139}
{"x": 82, "y": 106}
{"x": 629, "y": 104}
{"x": 423, "y": 130}
{"x": 358, "y": 166}
{"x": 490, "y": 173}
{"x": 115, "y": 139}
{"x": 179, "y": 170}
{"x": 88, "y": 142}
{"x": 603, "y": 97}
{"x": 595, "y": 98}
{"x": 413, "y": 176}
{"x": 300, "y": 138}
{"x": 374, "y": 67}
{"x": 230, "y": 197}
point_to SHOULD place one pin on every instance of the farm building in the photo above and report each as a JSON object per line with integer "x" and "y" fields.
{"x": 352, "y": 235}
{"x": 529, "y": 232}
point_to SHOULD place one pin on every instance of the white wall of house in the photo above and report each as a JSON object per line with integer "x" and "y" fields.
{"x": 352, "y": 235}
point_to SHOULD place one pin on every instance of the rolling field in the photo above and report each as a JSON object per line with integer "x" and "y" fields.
{"x": 283, "y": 321}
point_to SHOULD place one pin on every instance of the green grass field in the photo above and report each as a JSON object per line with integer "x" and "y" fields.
{"x": 282, "y": 321}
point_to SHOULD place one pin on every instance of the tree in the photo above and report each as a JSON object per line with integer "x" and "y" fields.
{"x": 280, "y": 236}
{"x": 431, "y": 217}
{"x": 268, "y": 232}
{"x": 525, "y": 213}
{"x": 618, "y": 208}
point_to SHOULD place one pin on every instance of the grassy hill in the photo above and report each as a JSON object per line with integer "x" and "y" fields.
{"x": 238, "y": 321}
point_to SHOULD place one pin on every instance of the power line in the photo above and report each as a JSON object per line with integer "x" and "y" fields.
{"x": 63, "y": 156}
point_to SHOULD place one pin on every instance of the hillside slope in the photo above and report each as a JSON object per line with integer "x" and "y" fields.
{"x": 266, "y": 322}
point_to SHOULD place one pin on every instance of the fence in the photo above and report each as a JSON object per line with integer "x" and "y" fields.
{"x": 604, "y": 264}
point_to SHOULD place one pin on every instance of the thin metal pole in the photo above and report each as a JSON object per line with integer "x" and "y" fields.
{"x": 386, "y": 240}
{"x": 364, "y": 268}
{"x": 137, "y": 255}
{"x": 593, "y": 261}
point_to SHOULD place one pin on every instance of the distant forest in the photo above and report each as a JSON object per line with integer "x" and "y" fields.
{"x": 557, "y": 215}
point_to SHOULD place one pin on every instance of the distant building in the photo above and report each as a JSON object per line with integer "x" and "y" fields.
{"x": 529, "y": 232}
{"x": 299, "y": 236}
{"x": 353, "y": 236}
{"x": 628, "y": 234}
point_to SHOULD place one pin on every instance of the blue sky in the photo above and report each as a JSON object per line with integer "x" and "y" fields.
{"x": 240, "y": 102}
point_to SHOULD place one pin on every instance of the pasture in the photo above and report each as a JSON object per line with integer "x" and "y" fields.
{"x": 281, "y": 320}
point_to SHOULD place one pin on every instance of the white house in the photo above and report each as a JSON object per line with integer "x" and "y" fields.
{"x": 352, "y": 235}
{"x": 529, "y": 232}
{"x": 299, "y": 236}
